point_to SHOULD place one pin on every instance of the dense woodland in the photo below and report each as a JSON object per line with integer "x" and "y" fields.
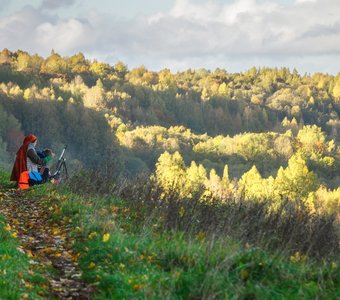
{"x": 266, "y": 133}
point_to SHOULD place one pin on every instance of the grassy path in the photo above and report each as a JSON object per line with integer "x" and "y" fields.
{"x": 45, "y": 243}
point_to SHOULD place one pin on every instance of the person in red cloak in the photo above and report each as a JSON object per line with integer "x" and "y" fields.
{"x": 20, "y": 164}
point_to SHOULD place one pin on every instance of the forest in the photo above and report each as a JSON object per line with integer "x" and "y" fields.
{"x": 238, "y": 161}
{"x": 228, "y": 133}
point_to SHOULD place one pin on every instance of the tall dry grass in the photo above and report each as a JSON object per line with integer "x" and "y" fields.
{"x": 287, "y": 229}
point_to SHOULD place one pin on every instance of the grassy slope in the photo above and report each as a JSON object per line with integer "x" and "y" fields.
{"x": 130, "y": 261}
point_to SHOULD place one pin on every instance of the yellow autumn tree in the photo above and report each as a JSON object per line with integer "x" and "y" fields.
{"x": 213, "y": 185}
{"x": 327, "y": 201}
{"x": 170, "y": 173}
{"x": 312, "y": 139}
{"x": 251, "y": 185}
{"x": 196, "y": 175}
{"x": 100, "y": 69}
{"x": 296, "y": 181}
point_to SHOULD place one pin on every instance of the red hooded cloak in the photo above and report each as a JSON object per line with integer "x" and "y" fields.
{"x": 20, "y": 164}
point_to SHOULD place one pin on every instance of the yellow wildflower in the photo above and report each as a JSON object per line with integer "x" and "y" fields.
{"x": 92, "y": 235}
{"x": 137, "y": 287}
{"x": 106, "y": 237}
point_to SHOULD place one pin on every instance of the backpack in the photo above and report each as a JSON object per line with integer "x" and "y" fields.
{"x": 28, "y": 179}
{"x": 34, "y": 178}
{"x": 23, "y": 180}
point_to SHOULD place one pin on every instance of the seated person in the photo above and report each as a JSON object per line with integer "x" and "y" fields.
{"x": 46, "y": 155}
{"x": 27, "y": 158}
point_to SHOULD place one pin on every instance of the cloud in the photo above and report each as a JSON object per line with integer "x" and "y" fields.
{"x": 193, "y": 33}
{"x": 66, "y": 36}
{"x": 246, "y": 28}
{"x": 4, "y": 3}
{"x": 32, "y": 30}
{"x": 16, "y": 30}
{"x": 210, "y": 11}
{"x": 261, "y": 31}
{"x": 54, "y": 4}
{"x": 303, "y": 1}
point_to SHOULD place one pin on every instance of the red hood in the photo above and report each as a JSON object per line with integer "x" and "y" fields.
{"x": 20, "y": 164}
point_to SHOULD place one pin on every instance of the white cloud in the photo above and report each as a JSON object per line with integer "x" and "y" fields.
{"x": 16, "y": 31}
{"x": 244, "y": 27}
{"x": 303, "y": 1}
{"x": 54, "y": 4}
{"x": 207, "y": 33}
{"x": 4, "y": 3}
{"x": 247, "y": 27}
{"x": 65, "y": 36}
{"x": 212, "y": 12}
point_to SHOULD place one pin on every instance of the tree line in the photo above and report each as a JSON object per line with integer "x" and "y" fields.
{"x": 216, "y": 102}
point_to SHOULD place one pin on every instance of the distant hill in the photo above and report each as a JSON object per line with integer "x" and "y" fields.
{"x": 89, "y": 104}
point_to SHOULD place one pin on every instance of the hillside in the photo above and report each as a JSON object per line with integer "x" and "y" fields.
{"x": 195, "y": 185}
{"x": 121, "y": 121}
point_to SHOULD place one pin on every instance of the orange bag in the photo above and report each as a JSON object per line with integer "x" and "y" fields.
{"x": 23, "y": 180}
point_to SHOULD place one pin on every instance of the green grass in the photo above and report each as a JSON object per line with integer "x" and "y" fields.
{"x": 140, "y": 262}
{"x": 18, "y": 279}
{"x": 5, "y": 179}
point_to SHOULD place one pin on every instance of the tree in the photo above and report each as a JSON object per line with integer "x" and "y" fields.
{"x": 95, "y": 96}
{"x": 100, "y": 69}
{"x": 165, "y": 78}
{"x": 135, "y": 76}
{"x": 336, "y": 91}
{"x": 5, "y": 56}
{"x": 54, "y": 64}
{"x": 196, "y": 177}
{"x": 283, "y": 145}
{"x": 35, "y": 63}
{"x": 170, "y": 173}
{"x": 251, "y": 185}
{"x": 78, "y": 64}
{"x": 22, "y": 61}
{"x": 296, "y": 181}
{"x": 256, "y": 99}
{"x": 223, "y": 90}
{"x": 225, "y": 177}
{"x": 121, "y": 69}
{"x": 311, "y": 140}
{"x": 214, "y": 186}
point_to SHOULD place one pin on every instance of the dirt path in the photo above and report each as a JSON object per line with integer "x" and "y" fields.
{"x": 45, "y": 243}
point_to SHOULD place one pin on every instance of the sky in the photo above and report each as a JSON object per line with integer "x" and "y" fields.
{"x": 180, "y": 34}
